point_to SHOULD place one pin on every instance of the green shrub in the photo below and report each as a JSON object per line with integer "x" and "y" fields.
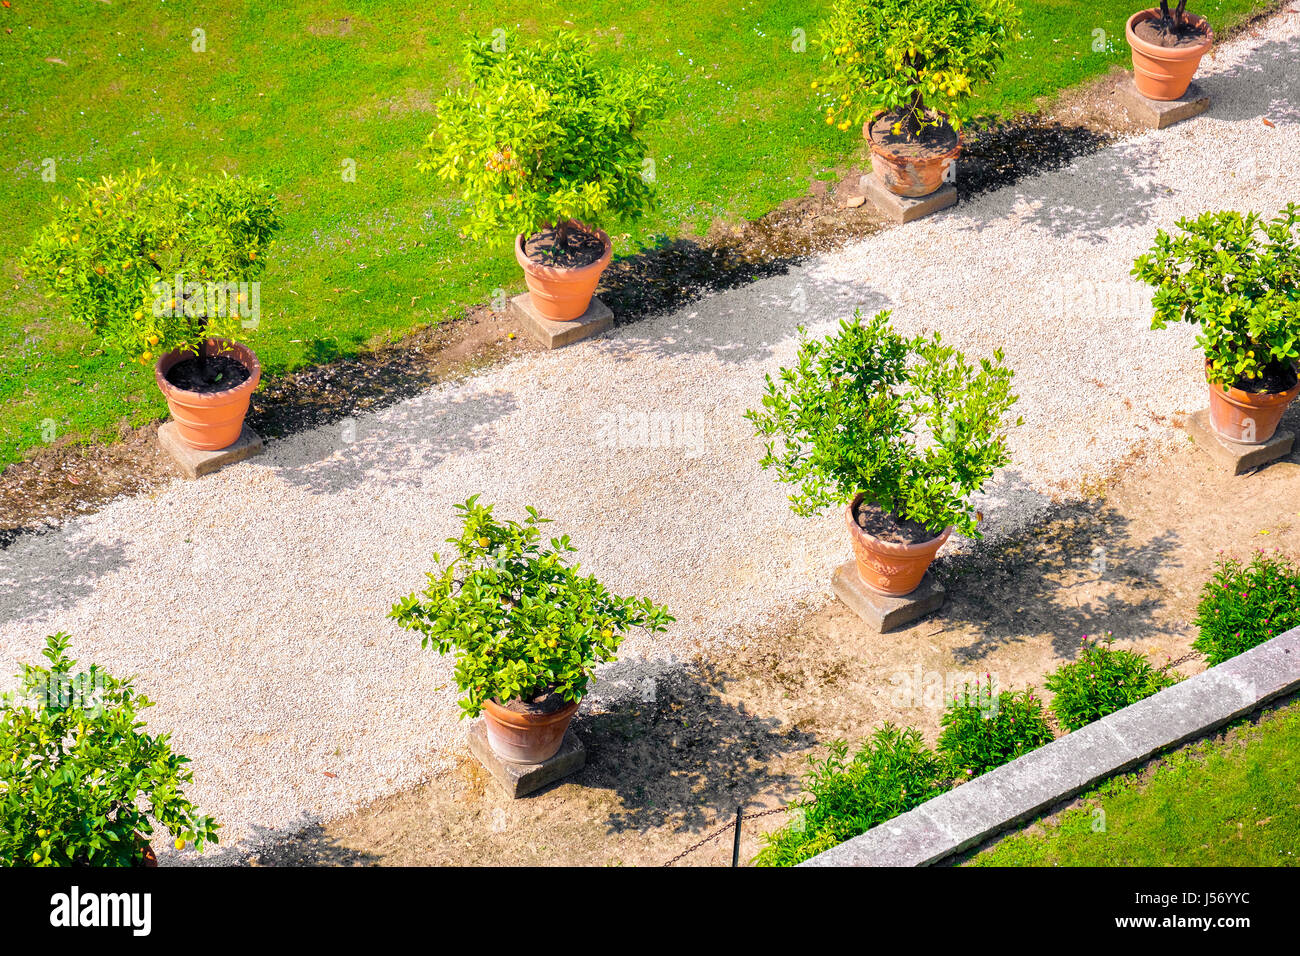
{"x": 1238, "y": 278}
{"x": 891, "y": 773}
{"x": 1101, "y": 681}
{"x": 1242, "y": 606}
{"x": 117, "y": 249}
{"x": 923, "y": 58}
{"x": 907, "y": 422}
{"x": 980, "y": 732}
{"x": 81, "y": 783}
{"x": 543, "y": 135}
{"x": 522, "y": 620}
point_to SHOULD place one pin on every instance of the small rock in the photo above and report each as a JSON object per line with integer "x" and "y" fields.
{"x": 854, "y": 202}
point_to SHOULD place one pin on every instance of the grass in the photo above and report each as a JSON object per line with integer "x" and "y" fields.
{"x": 1233, "y": 801}
{"x": 288, "y": 91}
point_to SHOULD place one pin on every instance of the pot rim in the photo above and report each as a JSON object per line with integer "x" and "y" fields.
{"x": 246, "y": 356}
{"x": 1163, "y": 52}
{"x": 565, "y": 272}
{"x": 528, "y": 721}
{"x": 886, "y": 151}
{"x": 1254, "y": 399}
{"x": 892, "y": 547}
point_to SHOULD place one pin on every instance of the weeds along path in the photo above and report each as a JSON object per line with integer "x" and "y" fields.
{"x": 252, "y": 603}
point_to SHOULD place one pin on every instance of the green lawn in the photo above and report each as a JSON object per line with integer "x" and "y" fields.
{"x": 289, "y": 90}
{"x": 1234, "y": 802}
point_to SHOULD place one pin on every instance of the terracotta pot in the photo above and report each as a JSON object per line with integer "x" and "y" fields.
{"x": 904, "y": 175}
{"x": 213, "y": 420}
{"x": 528, "y": 736}
{"x": 562, "y": 294}
{"x": 1164, "y": 73}
{"x": 147, "y": 858}
{"x": 887, "y": 567}
{"x": 1248, "y": 418}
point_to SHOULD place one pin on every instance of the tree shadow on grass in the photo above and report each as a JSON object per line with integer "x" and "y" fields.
{"x": 684, "y": 756}
{"x": 1078, "y": 571}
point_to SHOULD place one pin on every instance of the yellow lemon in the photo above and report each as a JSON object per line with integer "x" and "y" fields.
{"x": 180, "y": 844}
{"x": 607, "y": 633}
{"x": 153, "y": 340}
{"x": 147, "y": 355}
{"x": 483, "y": 542}
{"x": 36, "y": 858}
{"x": 41, "y": 833}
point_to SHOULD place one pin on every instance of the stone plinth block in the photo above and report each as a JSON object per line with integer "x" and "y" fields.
{"x": 553, "y": 335}
{"x": 520, "y": 779}
{"x": 194, "y": 463}
{"x": 1235, "y": 457}
{"x": 1157, "y": 114}
{"x": 904, "y": 208}
{"x": 881, "y": 611}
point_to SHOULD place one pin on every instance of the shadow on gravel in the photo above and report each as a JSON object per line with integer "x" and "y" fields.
{"x": 997, "y": 154}
{"x": 1078, "y": 571}
{"x": 307, "y": 846}
{"x": 685, "y": 757}
{"x": 747, "y": 325}
{"x": 47, "y": 572}
{"x": 1266, "y": 84}
{"x": 407, "y": 441}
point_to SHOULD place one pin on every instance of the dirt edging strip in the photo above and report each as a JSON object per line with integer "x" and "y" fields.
{"x": 1022, "y": 789}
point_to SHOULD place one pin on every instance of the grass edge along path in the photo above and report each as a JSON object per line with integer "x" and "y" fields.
{"x": 1230, "y": 799}
{"x": 96, "y": 89}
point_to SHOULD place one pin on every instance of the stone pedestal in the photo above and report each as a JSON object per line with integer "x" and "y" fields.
{"x": 553, "y": 335}
{"x": 194, "y": 463}
{"x": 1237, "y": 458}
{"x": 1157, "y": 114}
{"x": 520, "y": 779}
{"x": 881, "y": 611}
{"x": 903, "y": 208}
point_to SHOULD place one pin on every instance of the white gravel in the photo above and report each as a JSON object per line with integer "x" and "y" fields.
{"x": 279, "y": 674}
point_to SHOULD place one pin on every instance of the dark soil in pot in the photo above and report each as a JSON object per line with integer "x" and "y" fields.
{"x": 1278, "y": 377}
{"x": 879, "y": 523}
{"x": 1166, "y": 34}
{"x": 215, "y": 374}
{"x": 547, "y": 703}
{"x": 579, "y": 248}
{"x": 934, "y": 141}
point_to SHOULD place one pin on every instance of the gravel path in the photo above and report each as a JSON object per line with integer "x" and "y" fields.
{"x": 278, "y": 672}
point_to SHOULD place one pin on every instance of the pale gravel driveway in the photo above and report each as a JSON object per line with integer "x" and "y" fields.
{"x": 279, "y": 666}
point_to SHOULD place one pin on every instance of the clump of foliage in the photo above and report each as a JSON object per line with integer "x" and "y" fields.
{"x": 907, "y": 422}
{"x": 1244, "y": 605}
{"x": 891, "y": 773}
{"x": 1101, "y": 681}
{"x": 116, "y": 250}
{"x": 1238, "y": 278}
{"x": 544, "y": 136}
{"x": 522, "y": 620}
{"x": 981, "y": 732}
{"x": 918, "y": 59}
{"x": 81, "y": 783}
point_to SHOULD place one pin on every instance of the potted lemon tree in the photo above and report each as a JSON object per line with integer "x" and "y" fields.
{"x": 81, "y": 782}
{"x": 905, "y": 71}
{"x": 1167, "y": 48}
{"x": 1237, "y": 276}
{"x": 162, "y": 265}
{"x": 899, "y": 432}
{"x": 527, "y": 628}
{"x": 546, "y": 146}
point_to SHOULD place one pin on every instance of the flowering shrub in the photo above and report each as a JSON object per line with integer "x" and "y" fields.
{"x": 981, "y": 732}
{"x": 1101, "y": 681}
{"x": 80, "y": 782}
{"x": 522, "y": 620}
{"x": 923, "y": 58}
{"x": 1238, "y": 278}
{"x": 907, "y": 422}
{"x": 543, "y": 135}
{"x": 118, "y": 248}
{"x": 1243, "y": 606}
{"x": 891, "y": 773}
